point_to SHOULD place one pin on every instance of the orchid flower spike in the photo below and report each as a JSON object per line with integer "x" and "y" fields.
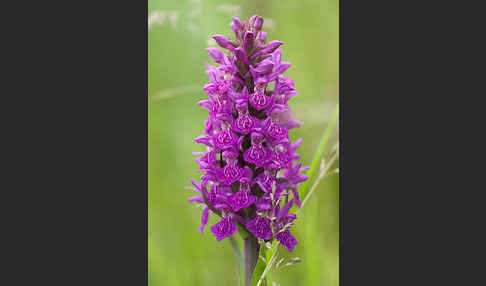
{"x": 250, "y": 172}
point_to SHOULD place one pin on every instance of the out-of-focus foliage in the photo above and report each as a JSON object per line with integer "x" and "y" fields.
{"x": 178, "y": 35}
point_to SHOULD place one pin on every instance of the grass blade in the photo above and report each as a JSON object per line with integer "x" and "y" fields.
{"x": 239, "y": 259}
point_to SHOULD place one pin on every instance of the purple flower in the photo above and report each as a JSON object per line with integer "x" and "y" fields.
{"x": 264, "y": 67}
{"x": 292, "y": 177}
{"x": 223, "y": 42}
{"x": 260, "y": 227}
{"x": 287, "y": 240}
{"x": 248, "y": 40}
{"x": 282, "y": 223}
{"x": 263, "y": 37}
{"x": 268, "y": 49}
{"x": 265, "y": 180}
{"x": 240, "y": 55}
{"x": 215, "y": 54}
{"x": 237, "y": 27}
{"x": 231, "y": 173}
{"x": 258, "y": 23}
{"x": 275, "y": 130}
{"x": 207, "y": 160}
{"x": 282, "y": 216}
{"x": 272, "y": 46}
{"x": 241, "y": 199}
{"x": 257, "y": 154}
{"x": 264, "y": 203}
{"x": 204, "y": 219}
{"x": 259, "y": 100}
{"x": 247, "y": 138}
{"x": 244, "y": 123}
{"x": 245, "y": 180}
{"x": 226, "y": 227}
{"x": 225, "y": 139}
{"x": 281, "y": 155}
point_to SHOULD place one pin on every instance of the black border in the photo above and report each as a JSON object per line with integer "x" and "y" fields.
{"x": 78, "y": 161}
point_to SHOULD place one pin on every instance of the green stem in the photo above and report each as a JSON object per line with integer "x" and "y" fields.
{"x": 250, "y": 257}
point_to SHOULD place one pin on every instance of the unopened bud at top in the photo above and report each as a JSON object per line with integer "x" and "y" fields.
{"x": 258, "y": 23}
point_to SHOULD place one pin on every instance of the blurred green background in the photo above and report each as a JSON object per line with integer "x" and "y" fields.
{"x": 179, "y": 32}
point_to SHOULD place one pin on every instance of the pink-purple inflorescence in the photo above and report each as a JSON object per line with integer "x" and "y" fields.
{"x": 250, "y": 164}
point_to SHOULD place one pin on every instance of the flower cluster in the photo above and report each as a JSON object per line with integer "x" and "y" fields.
{"x": 250, "y": 164}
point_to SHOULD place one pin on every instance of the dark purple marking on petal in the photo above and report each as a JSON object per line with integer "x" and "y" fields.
{"x": 260, "y": 227}
{"x": 287, "y": 240}
{"x": 259, "y": 101}
{"x": 226, "y": 227}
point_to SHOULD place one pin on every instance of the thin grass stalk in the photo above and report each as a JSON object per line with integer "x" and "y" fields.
{"x": 269, "y": 262}
{"x": 322, "y": 174}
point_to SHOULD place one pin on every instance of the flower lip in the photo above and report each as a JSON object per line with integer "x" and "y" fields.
{"x": 245, "y": 124}
{"x": 241, "y": 199}
{"x": 259, "y": 101}
{"x": 260, "y": 227}
{"x": 226, "y": 227}
{"x": 287, "y": 240}
{"x": 276, "y": 131}
{"x": 231, "y": 173}
{"x": 225, "y": 139}
{"x": 257, "y": 154}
